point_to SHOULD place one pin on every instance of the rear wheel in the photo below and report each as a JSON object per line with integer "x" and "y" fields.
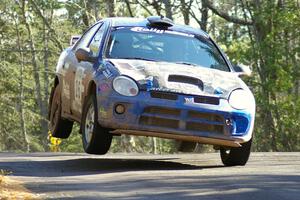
{"x": 59, "y": 127}
{"x": 236, "y": 155}
{"x": 95, "y": 139}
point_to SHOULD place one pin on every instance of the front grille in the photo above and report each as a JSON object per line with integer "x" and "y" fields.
{"x": 159, "y": 122}
{"x": 162, "y": 111}
{"x": 163, "y": 95}
{"x": 174, "y": 97}
{"x": 207, "y": 100}
{"x": 156, "y": 116}
{"x": 202, "y": 127}
{"x": 205, "y": 116}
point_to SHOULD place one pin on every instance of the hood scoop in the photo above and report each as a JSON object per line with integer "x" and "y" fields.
{"x": 186, "y": 79}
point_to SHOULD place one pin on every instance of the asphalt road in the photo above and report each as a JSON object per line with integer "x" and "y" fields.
{"x": 267, "y": 176}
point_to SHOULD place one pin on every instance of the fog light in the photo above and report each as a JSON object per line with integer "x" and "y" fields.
{"x": 120, "y": 109}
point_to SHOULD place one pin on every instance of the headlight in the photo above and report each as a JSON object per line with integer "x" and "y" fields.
{"x": 240, "y": 99}
{"x": 125, "y": 86}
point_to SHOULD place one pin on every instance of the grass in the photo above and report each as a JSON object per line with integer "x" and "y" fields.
{"x": 4, "y": 172}
{"x": 13, "y": 190}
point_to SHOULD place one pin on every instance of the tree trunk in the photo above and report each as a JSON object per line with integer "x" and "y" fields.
{"x": 154, "y": 145}
{"x": 36, "y": 76}
{"x": 110, "y": 8}
{"x": 157, "y": 6}
{"x": 54, "y": 36}
{"x": 168, "y": 8}
{"x": 46, "y": 63}
{"x": 185, "y": 10}
{"x": 129, "y": 8}
{"x": 21, "y": 94}
{"x": 204, "y": 16}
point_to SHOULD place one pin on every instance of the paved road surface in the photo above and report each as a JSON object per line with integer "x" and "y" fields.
{"x": 267, "y": 176}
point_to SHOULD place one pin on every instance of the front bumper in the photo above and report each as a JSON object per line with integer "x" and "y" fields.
{"x": 176, "y": 116}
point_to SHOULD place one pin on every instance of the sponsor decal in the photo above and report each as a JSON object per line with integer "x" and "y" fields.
{"x": 67, "y": 65}
{"x": 162, "y": 89}
{"x": 159, "y": 31}
{"x": 189, "y": 99}
{"x": 143, "y": 29}
{"x": 107, "y": 73}
{"x": 100, "y": 68}
{"x": 78, "y": 88}
{"x": 147, "y": 83}
{"x": 218, "y": 91}
{"x": 66, "y": 90}
{"x": 103, "y": 87}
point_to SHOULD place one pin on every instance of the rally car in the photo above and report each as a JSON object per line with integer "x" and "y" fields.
{"x": 151, "y": 77}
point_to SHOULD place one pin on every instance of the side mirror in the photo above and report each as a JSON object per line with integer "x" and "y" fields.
{"x": 242, "y": 70}
{"x": 85, "y": 55}
{"x": 74, "y": 39}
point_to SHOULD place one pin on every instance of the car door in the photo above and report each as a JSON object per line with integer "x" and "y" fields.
{"x": 74, "y": 73}
{"x": 85, "y": 70}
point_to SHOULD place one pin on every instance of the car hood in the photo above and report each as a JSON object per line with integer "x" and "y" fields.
{"x": 180, "y": 78}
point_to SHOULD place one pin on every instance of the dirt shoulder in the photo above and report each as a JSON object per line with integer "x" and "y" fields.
{"x": 11, "y": 189}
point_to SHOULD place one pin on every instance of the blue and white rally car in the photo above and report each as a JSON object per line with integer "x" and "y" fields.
{"x": 151, "y": 77}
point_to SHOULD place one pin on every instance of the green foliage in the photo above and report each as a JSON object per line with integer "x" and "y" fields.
{"x": 73, "y": 144}
{"x": 271, "y": 46}
{"x": 141, "y": 144}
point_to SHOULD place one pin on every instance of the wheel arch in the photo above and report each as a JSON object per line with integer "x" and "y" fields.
{"x": 56, "y": 81}
{"x": 91, "y": 89}
{"x": 55, "y": 84}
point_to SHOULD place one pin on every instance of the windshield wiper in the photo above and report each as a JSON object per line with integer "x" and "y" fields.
{"x": 186, "y": 63}
{"x": 137, "y": 58}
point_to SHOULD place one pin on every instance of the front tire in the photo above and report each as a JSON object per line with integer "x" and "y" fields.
{"x": 236, "y": 155}
{"x": 59, "y": 127}
{"x": 95, "y": 139}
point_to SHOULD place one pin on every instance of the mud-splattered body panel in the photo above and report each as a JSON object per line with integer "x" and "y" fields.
{"x": 174, "y": 100}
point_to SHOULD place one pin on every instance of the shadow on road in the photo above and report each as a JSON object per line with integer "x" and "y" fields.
{"x": 86, "y": 166}
{"x": 165, "y": 178}
{"x": 190, "y": 186}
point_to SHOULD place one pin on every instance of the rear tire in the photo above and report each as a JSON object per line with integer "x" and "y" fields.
{"x": 95, "y": 139}
{"x": 236, "y": 155}
{"x": 59, "y": 127}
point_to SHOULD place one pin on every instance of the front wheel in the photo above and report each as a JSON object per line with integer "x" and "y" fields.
{"x": 95, "y": 139}
{"x": 236, "y": 155}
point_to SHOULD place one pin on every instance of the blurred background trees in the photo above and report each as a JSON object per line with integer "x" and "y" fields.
{"x": 262, "y": 34}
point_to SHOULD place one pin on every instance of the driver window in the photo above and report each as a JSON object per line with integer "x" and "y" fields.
{"x": 86, "y": 38}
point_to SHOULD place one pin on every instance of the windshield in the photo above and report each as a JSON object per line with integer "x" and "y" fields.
{"x": 165, "y": 46}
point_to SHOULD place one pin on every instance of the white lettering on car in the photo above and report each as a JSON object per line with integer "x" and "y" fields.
{"x": 189, "y": 100}
{"x": 78, "y": 88}
{"x": 107, "y": 73}
{"x": 154, "y": 30}
{"x": 66, "y": 90}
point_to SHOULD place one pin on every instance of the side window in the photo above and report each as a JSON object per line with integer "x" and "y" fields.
{"x": 86, "y": 38}
{"x": 96, "y": 41}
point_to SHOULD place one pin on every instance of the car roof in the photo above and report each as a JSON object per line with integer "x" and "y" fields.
{"x": 143, "y": 22}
